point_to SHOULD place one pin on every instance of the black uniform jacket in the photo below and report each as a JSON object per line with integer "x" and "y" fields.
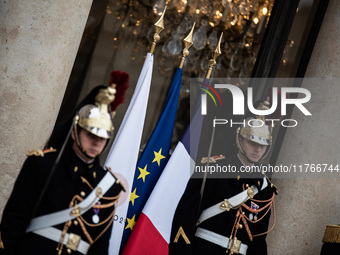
{"x": 65, "y": 184}
{"x": 216, "y": 190}
{"x": 330, "y": 249}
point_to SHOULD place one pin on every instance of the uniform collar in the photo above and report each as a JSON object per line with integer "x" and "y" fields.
{"x": 248, "y": 178}
{"x": 77, "y": 167}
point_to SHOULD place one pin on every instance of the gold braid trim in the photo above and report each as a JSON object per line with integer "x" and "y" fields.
{"x": 264, "y": 233}
{"x": 107, "y": 226}
{"x": 240, "y": 215}
{"x": 61, "y": 241}
{"x": 83, "y": 222}
{"x": 86, "y": 181}
{"x": 181, "y": 233}
{"x": 85, "y": 232}
{"x": 117, "y": 180}
{"x": 35, "y": 153}
{"x": 39, "y": 153}
{"x": 98, "y": 224}
{"x": 90, "y": 186}
{"x": 332, "y": 234}
{"x": 272, "y": 185}
{"x": 103, "y": 206}
{"x": 91, "y": 241}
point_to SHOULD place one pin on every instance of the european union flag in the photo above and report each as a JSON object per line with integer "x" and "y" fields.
{"x": 154, "y": 157}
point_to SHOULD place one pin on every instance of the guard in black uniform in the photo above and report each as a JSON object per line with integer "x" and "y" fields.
{"x": 232, "y": 216}
{"x": 75, "y": 213}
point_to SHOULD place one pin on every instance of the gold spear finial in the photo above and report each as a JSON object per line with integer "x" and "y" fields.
{"x": 216, "y": 53}
{"x": 159, "y": 26}
{"x": 188, "y": 42}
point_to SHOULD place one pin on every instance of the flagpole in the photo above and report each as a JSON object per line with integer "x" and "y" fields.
{"x": 159, "y": 26}
{"x": 188, "y": 42}
{"x": 212, "y": 63}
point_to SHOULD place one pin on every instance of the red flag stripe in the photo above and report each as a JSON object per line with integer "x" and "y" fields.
{"x": 148, "y": 236}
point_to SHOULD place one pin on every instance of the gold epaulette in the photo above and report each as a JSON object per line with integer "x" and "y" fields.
{"x": 272, "y": 185}
{"x": 332, "y": 234}
{"x": 117, "y": 180}
{"x": 40, "y": 153}
{"x": 212, "y": 159}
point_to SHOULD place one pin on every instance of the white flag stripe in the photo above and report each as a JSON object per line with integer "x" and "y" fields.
{"x": 169, "y": 190}
{"x": 143, "y": 78}
{"x": 123, "y": 155}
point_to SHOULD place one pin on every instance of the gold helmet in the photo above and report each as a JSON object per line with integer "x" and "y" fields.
{"x": 256, "y": 130}
{"x": 97, "y": 118}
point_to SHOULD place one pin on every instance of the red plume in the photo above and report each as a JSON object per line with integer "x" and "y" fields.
{"x": 121, "y": 80}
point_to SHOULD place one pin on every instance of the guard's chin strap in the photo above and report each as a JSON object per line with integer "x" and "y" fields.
{"x": 242, "y": 151}
{"x": 245, "y": 155}
{"x": 77, "y": 138}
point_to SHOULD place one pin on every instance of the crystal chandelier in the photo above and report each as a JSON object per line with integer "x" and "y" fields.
{"x": 243, "y": 23}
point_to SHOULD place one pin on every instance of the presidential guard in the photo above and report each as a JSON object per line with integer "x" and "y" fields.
{"x": 229, "y": 214}
{"x": 63, "y": 201}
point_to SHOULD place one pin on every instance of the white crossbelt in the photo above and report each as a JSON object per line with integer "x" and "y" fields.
{"x": 218, "y": 239}
{"x": 62, "y": 216}
{"x": 54, "y": 234}
{"x": 234, "y": 201}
